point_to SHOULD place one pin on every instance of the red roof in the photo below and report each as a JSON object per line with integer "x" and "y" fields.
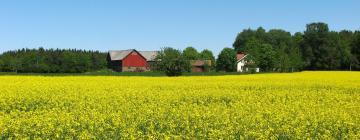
{"x": 240, "y": 56}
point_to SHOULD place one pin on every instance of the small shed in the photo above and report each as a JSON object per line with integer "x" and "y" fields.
{"x": 200, "y": 65}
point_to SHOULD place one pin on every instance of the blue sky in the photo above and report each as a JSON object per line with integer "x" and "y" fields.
{"x": 151, "y": 24}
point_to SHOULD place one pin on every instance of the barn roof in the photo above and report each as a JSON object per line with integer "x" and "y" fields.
{"x": 121, "y": 54}
{"x": 149, "y": 55}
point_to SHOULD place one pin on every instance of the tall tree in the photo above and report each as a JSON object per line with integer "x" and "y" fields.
{"x": 248, "y": 35}
{"x": 355, "y": 51}
{"x": 190, "y": 53}
{"x": 295, "y": 52}
{"x": 281, "y": 43}
{"x": 226, "y": 60}
{"x": 261, "y": 55}
{"x": 345, "y": 39}
{"x": 320, "y": 48}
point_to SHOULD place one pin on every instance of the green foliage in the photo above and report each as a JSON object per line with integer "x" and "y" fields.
{"x": 320, "y": 48}
{"x": 226, "y": 60}
{"x": 355, "y": 51}
{"x": 174, "y": 63}
{"x": 171, "y": 61}
{"x": 190, "y": 53}
{"x": 285, "y": 55}
{"x": 52, "y": 61}
{"x": 266, "y": 61}
{"x": 247, "y": 36}
{"x": 208, "y": 55}
{"x": 345, "y": 40}
{"x": 317, "y": 48}
{"x": 262, "y": 56}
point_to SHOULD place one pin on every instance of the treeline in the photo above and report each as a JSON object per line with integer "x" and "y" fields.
{"x": 317, "y": 48}
{"x": 52, "y": 61}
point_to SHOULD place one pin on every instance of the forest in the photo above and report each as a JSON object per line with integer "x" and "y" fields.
{"x": 52, "y": 61}
{"x": 317, "y": 48}
{"x": 275, "y": 50}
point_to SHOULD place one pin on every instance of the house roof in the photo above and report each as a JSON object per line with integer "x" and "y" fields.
{"x": 121, "y": 54}
{"x": 200, "y": 62}
{"x": 240, "y": 56}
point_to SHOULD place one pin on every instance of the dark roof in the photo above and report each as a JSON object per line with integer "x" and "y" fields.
{"x": 200, "y": 62}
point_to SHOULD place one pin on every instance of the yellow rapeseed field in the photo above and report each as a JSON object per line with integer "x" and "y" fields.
{"x": 305, "y": 105}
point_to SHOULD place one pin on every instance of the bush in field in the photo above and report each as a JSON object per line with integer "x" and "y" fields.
{"x": 171, "y": 61}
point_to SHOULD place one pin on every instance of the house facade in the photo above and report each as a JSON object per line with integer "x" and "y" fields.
{"x": 241, "y": 64}
{"x": 130, "y": 60}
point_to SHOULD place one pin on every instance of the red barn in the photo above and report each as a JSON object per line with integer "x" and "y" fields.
{"x": 130, "y": 60}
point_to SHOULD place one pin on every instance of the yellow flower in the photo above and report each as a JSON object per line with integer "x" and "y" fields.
{"x": 305, "y": 105}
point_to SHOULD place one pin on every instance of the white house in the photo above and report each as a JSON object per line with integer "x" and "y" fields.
{"x": 241, "y": 63}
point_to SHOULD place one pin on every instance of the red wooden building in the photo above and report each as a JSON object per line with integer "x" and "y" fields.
{"x": 200, "y": 65}
{"x": 131, "y": 60}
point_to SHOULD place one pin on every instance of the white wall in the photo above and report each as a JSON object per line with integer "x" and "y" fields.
{"x": 241, "y": 66}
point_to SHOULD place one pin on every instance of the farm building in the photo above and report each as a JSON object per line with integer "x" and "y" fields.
{"x": 200, "y": 65}
{"x": 138, "y": 61}
{"x": 130, "y": 60}
{"x": 242, "y": 63}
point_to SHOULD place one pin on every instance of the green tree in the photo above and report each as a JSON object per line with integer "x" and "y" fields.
{"x": 346, "y": 37}
{"x": 282, "y": 58}
{"x": 226, "y": 60}
{"x": 208, "y": 55}
{"x": 320, "y": 47}
{"x": 247, "y": 36}
{"x": 355, "y": 51}
{"x": 281, "y": 42}
{"x": 171, "y": 61}
{"x": 266, "y": 59}
{"x": 295, "y": 52}
{"x": 190, "y": 53}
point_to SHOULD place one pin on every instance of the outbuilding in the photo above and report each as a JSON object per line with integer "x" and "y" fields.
{"x": 200, "y": 65}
